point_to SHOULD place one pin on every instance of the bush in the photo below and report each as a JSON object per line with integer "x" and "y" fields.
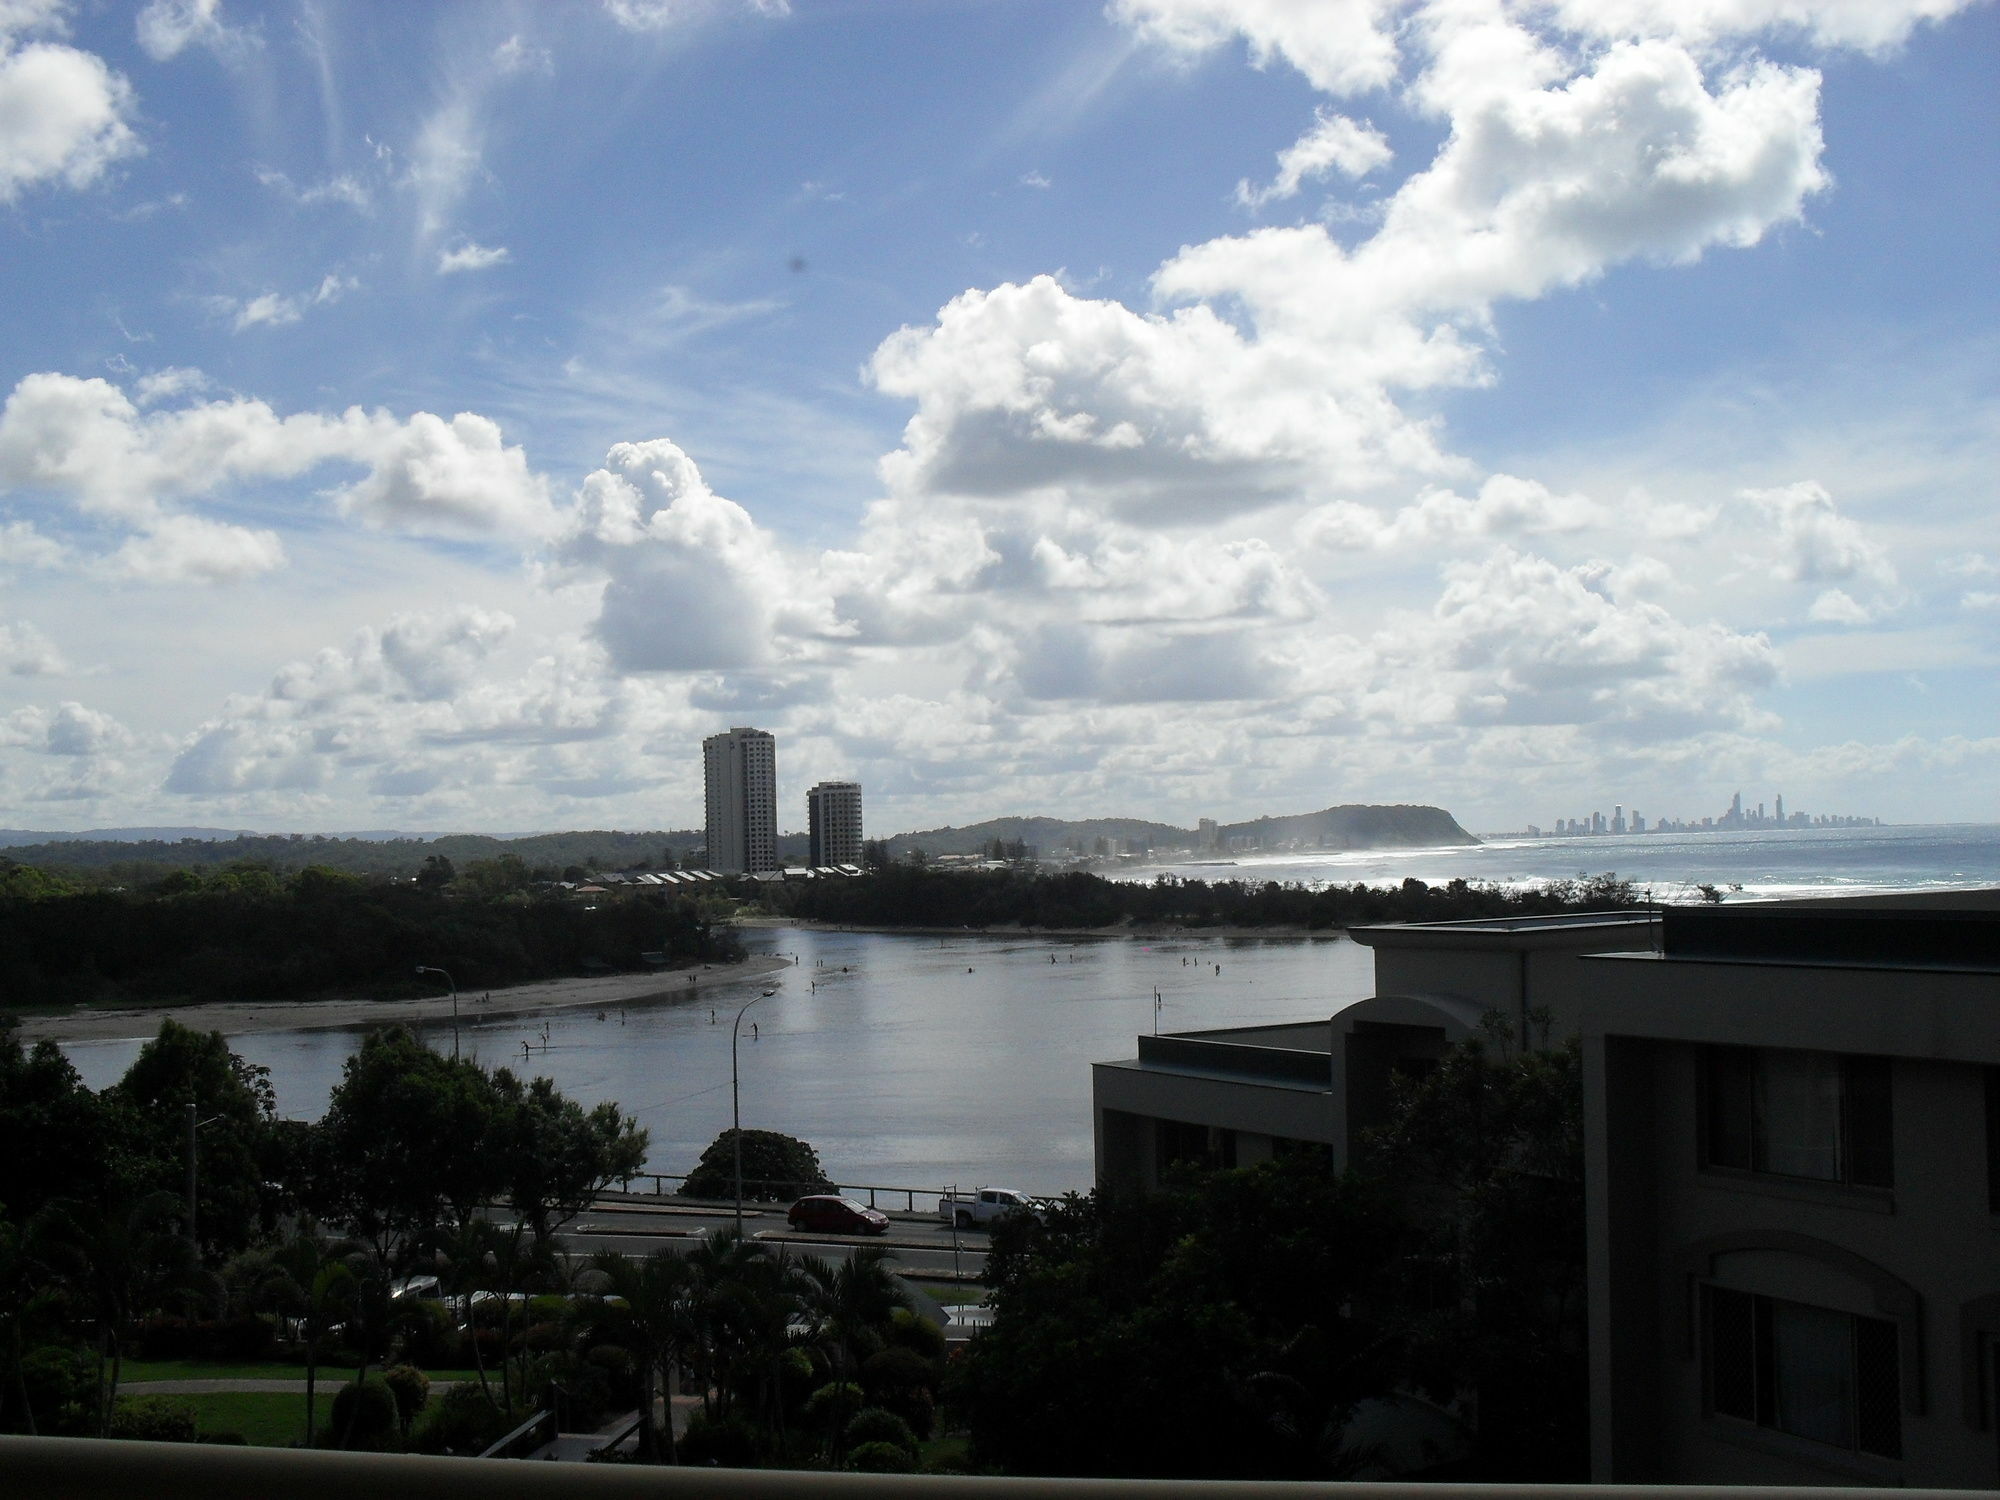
{"x": 882, "y": 1458}
{"x": 775, "y": 1167}
{"x": 730, "y": 1443}
{"x": 463, "y": 1421}
{"x": 834, "y": 1404}
{"x": 430, "y": 1334}
{"x": 913, "y": 1331}
{"x": 61, "y": 1386}
{"x": 412, "y": 1389}
{"x": 874, "y": 1424}
{"x": 364, "y": 1416}
{"x": 153, "y": 1419}
{"x": 246, "y": 1338}
{"x": 621, "y": 1374}
{"x": 905, "y": 1383}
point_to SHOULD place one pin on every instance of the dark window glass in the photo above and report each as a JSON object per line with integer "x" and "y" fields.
{"x": 1830, "y": 1377}
{"x": 1993, "y": 1139}
{"x": 1866, "y": 1127}
{"x": 1798, "y": 1114}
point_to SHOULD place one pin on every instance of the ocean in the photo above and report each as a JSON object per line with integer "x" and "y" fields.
{"x": 1744, "y": 866}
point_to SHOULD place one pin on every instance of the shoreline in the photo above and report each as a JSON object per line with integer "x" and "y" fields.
{"x": 1288, "y": 932}
{"x": 243, "y": 1017}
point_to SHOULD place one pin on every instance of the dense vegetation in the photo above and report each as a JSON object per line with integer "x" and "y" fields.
{"x": 1230, "y": 1325}
{"x": 247, "y": 933}
{"x": 307, "y": 1233}
{"x": 913, "y": 896}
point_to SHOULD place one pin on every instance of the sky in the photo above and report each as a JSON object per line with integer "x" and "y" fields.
{"x": 441, "y": 417}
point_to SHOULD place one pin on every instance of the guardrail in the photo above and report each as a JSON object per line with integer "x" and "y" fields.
{"x": 751, "y": 1184}
{"x": 98, "y": 1469}
{"x": 526, "y": 1438}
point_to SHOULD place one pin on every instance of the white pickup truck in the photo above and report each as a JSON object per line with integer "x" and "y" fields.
{"x": 979, "y": 1210}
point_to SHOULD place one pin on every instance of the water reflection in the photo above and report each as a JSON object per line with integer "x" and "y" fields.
{"x": 902, "y": 1059}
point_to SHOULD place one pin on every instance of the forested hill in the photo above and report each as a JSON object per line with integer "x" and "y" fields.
{"x": 1358, "y": 826}
{"x": 1353, "y": 826}
{"x": 1047, "y": 834}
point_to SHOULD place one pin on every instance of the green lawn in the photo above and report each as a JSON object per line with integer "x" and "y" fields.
{"x": 266, "y": 1419}
{"x": 950, "y": 1293}
{"x": 330, "y": 1376}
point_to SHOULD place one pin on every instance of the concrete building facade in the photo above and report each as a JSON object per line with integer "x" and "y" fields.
{"x": 833, "y": 819}
{"x": 1792, "y": 1124}
{"x": 1243, "y": 1094}
{"x": 740, "y": 779}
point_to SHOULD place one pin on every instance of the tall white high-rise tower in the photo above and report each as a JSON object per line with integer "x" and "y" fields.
{"x": 740, "y": 770}
{"x": 833, "y": 814}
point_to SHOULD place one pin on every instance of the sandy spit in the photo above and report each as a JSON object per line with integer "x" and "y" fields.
{"x": 235, "y": 1019}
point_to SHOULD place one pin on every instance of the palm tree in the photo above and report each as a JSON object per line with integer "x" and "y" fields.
{"x": 465, "y": 1260}
{"x": 321, "y": 1288}
{"x": 122, "y": 1259}
{"x": 852, "y": 1302}
{"x": 658, "y": 1321}
{"x": 722, "y": 1262}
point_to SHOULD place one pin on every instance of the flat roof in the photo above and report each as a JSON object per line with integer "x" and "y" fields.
{"x": 1558, "y": 930}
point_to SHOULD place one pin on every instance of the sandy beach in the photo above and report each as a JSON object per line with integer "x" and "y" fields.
{"x": 237, "y": 1018}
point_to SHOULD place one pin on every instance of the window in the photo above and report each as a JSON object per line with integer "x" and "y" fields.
{"x": 1993, "y": 1139}
{"x": 1817, "y": 1115}
{"x": 1830, "y": 1377}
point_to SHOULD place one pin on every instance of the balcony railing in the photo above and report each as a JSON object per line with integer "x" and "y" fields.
{"x": 92, "y": 1469}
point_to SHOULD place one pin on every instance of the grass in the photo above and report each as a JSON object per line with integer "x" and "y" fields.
{"x": 330, "y": 1377}
{"x": 951, "y": 1293}
{"x": 266, "y": 1419}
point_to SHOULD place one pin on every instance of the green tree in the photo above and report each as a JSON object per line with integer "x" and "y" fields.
{"x": 1489, "y": 1148}
{"x": 61, "y": 1140}
{"x": 410, "y": 1140}
{"x": 655, "y": 1323}
{"x": 320, "y": 1289}
{"x": 233, "y": 1105}
{"x": 558, "y": 1155}
{"x": 775, "y": 1166}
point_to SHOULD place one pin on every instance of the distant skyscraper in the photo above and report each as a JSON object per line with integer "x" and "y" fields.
{"x": 833, "y": 813}
{"x": 740, "y": 770}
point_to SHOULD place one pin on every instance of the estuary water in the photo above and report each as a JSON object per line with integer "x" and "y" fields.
{"x": 922, "y": 1061}
{"x": 907, "y": 1061}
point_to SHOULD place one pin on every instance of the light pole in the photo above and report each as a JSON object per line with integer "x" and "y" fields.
{"x": 194, "y": 1124}
{"x": 736, "y": 1111}
{"x": 427, "y": 969}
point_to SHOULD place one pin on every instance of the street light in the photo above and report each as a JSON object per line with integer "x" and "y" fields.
{"x": 736, "y": 1107}
{"x": 427, "y": 969}
{"x": 194, "y": 1124}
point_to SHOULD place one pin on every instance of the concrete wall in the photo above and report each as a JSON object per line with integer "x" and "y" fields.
{"x": 1657, "y": 1213}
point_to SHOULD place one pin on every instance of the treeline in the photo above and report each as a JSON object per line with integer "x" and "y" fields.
{"x": 98, "y": 861}
{"x": 250, "y": 933}
{"x": 912, "y": 896}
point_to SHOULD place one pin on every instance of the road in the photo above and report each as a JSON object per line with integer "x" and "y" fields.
{"x": 920, "y": 1243}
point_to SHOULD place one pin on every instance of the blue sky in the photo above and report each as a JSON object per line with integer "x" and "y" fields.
{"x": 441, "y": 417}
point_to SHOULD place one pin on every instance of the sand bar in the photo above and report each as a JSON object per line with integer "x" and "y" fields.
{"x": 234, "y": 1018}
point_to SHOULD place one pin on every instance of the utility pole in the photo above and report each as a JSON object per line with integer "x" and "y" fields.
{"x": 736, "y": 1113}
{"x": 193, "y": 1125}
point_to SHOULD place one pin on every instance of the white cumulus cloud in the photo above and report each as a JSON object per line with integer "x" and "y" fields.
{"x": 471, "y": 257}
{"x": 64, "y": 115}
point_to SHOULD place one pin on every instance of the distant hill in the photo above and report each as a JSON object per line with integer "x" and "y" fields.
{"x": 147, "y": 858}
{"x": 1046, "y": 834}
{"x": 14, "y": 837}
{"x": 1354, "y": 826}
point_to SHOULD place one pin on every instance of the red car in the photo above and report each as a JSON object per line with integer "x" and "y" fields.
{"x": 829, "y": 1214}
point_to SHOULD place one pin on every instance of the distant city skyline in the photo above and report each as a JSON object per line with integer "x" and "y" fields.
{"x": 444, "y": 417}
{"x": 1736, "y": 817}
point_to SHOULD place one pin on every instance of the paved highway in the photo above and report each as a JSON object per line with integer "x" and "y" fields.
{"x": 919, "y": 1242}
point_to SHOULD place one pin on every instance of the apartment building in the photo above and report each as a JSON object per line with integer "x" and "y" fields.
{"x": 1793, "y": 1191}
{"x": 833, "y": 821}
{"x": 740, "y": 780}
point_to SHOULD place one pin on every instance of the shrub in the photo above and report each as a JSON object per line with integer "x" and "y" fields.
{"x": 61, "y": 1388}
{"x": 364, "y": 1416}
{"x": 775, "y": 1166}
{"x": 915, "y": 1332}
{"x": 834, "y": 1404}
{"x": 874, "y": 1424}
{"x": 412, "y": 1389}
{"x": 621, "y": 1373}
{"x": 430, "y": 1334}
{"x": 245, "y": 1338}
{"x": 463, "y": 1421}
{"x": 728, "y": 1443}
{"x": 153, "y": 1419}
{"x": 882, "y": 1458}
